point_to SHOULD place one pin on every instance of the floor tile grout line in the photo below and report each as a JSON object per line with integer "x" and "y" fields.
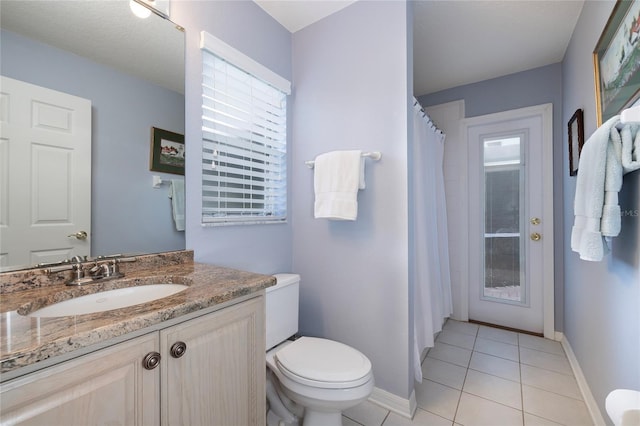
{"x": 521, "y": 385}
{"x": 550, "y": 391}
{"x": 490, "y": 400}
{"x": 442, "y": 360}
{"x": 494, "y": 375}
{"x": 544, "y": 352}
{"x": 497, "y": 341}
{"x": 387, "y": 416}
{"x": 455, "y": 414}
{"x": 497, "y": 356}
{"x": 547, "y": 369}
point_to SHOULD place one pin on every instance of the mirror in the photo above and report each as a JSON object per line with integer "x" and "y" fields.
{"x": 132, "y": 71}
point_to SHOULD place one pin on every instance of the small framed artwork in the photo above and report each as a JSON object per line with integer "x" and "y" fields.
{"x": 167, "y": 151}
{"x": 616, "y": 61}
{"x": 576, "y": 140}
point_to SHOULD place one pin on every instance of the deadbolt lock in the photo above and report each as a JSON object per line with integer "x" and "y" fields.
{"x": 535, "y": 221}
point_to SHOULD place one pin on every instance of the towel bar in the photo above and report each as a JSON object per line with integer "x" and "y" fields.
{"x": 375, "y": 156}
{"x": 157, "y": 181}
{"x": 630, "y": 115}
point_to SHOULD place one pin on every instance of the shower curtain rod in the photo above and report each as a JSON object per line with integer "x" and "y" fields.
{"x": 430, "y": 122}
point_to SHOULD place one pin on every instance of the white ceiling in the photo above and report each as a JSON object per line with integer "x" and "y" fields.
{"x": 456, "y": 42}
{"x": 105, "y": 32}
{"x": 297, "y": 14}
{"x": 459, "y": 42}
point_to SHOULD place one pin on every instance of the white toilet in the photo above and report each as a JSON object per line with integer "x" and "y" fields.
{"x": 623, "y": 407}
{"x": 309, "y": 378}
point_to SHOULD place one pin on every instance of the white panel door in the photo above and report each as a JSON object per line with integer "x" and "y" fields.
{"x": 510, "y": 225}
{"x": 45, "y": 172}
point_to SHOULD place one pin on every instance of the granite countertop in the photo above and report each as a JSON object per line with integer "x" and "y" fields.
{"x": 27, "y": 340}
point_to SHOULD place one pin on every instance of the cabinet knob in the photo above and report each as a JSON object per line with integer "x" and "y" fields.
{"x": 151, "y": 360}
{"x": 178, "y": 349}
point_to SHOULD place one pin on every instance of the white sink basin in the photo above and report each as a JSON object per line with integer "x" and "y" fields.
{"x": 108, "y": 300}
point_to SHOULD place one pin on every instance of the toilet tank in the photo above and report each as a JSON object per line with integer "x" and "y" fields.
{"x": 282, "y": 309}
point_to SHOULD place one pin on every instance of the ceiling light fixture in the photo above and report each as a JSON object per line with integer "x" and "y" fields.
{"x": 139, "y": 9}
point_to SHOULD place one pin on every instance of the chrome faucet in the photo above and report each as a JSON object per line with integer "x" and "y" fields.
{"x": 109, "y": 269}
{"x": 104, "y": 268}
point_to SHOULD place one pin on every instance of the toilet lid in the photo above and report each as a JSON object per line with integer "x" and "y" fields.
{"x": 325, "y": 361}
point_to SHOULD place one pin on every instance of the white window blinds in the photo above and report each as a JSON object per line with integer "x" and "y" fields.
{"x": 244, "y": 141}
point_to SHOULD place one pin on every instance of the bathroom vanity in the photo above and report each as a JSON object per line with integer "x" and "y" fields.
{"x": 196, "y": 357}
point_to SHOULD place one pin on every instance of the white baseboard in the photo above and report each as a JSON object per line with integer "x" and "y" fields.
{"x": 404, "y": 407}
{"x": 589, "y": 400}
{"x": 558, "y": 336}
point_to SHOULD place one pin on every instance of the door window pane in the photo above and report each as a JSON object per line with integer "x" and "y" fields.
{"x": 503, "y": 208}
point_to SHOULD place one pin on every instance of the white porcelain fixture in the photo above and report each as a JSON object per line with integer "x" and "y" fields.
{"x": 623, "y": 407}
{"x": 310, "y": 378}
{"x": 108, "y": 300}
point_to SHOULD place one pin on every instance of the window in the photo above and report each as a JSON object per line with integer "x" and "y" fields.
{"x": 244, "y": 138}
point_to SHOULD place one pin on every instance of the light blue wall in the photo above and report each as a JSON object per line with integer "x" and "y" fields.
{"x": 246, "y": 27}
{"x": 534, "y": 87}
{"x": 333, "y": 107}
{"x": 128, "y": 215}
{"x": 602, "y": 299}
{"x": 351, "y": 92}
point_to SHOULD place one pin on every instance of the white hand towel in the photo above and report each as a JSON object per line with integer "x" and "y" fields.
{"x": 337, "y": 177}
{"x": 176, "y": 193}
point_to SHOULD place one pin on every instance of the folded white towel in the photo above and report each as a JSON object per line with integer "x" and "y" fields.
{"x": 611, "y": 151}
{"x": 176, "y": 193}
{"x": 610, "y": 222}
{"x": 337, "y": 177}
{"x": 630, "y": 147}
{"x": 586, "y": 238}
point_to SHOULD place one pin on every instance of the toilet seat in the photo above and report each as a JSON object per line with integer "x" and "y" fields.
{"x": 323, "y": 363}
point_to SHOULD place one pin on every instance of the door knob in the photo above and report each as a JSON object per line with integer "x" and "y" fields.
{"x": 535, "y": 221}
{"x": 536, "y": 237}
{"x": 81, "y": 235}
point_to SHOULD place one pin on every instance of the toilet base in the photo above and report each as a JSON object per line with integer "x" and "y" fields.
{"x": 275, "y": 420}
{"x": 318, "y": 418}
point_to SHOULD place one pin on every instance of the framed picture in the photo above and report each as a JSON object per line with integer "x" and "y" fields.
{"x": 616, "y": 60}
{"x": 576, "y": 140}
{"x": 167, "y": 151}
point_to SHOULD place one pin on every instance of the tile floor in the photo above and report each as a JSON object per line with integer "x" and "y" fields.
{"x": 478, "y": 375}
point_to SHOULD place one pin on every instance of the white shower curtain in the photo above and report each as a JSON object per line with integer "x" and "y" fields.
{"x": 432, "y": 279}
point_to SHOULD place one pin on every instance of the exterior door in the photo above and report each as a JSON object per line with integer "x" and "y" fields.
{"x": 510, "y": 219}
{"x": 45, "y": 174}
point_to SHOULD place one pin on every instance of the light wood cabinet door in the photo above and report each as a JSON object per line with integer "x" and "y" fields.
{"x": 220, "y": 377}
{"x": 106, "y": 387}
